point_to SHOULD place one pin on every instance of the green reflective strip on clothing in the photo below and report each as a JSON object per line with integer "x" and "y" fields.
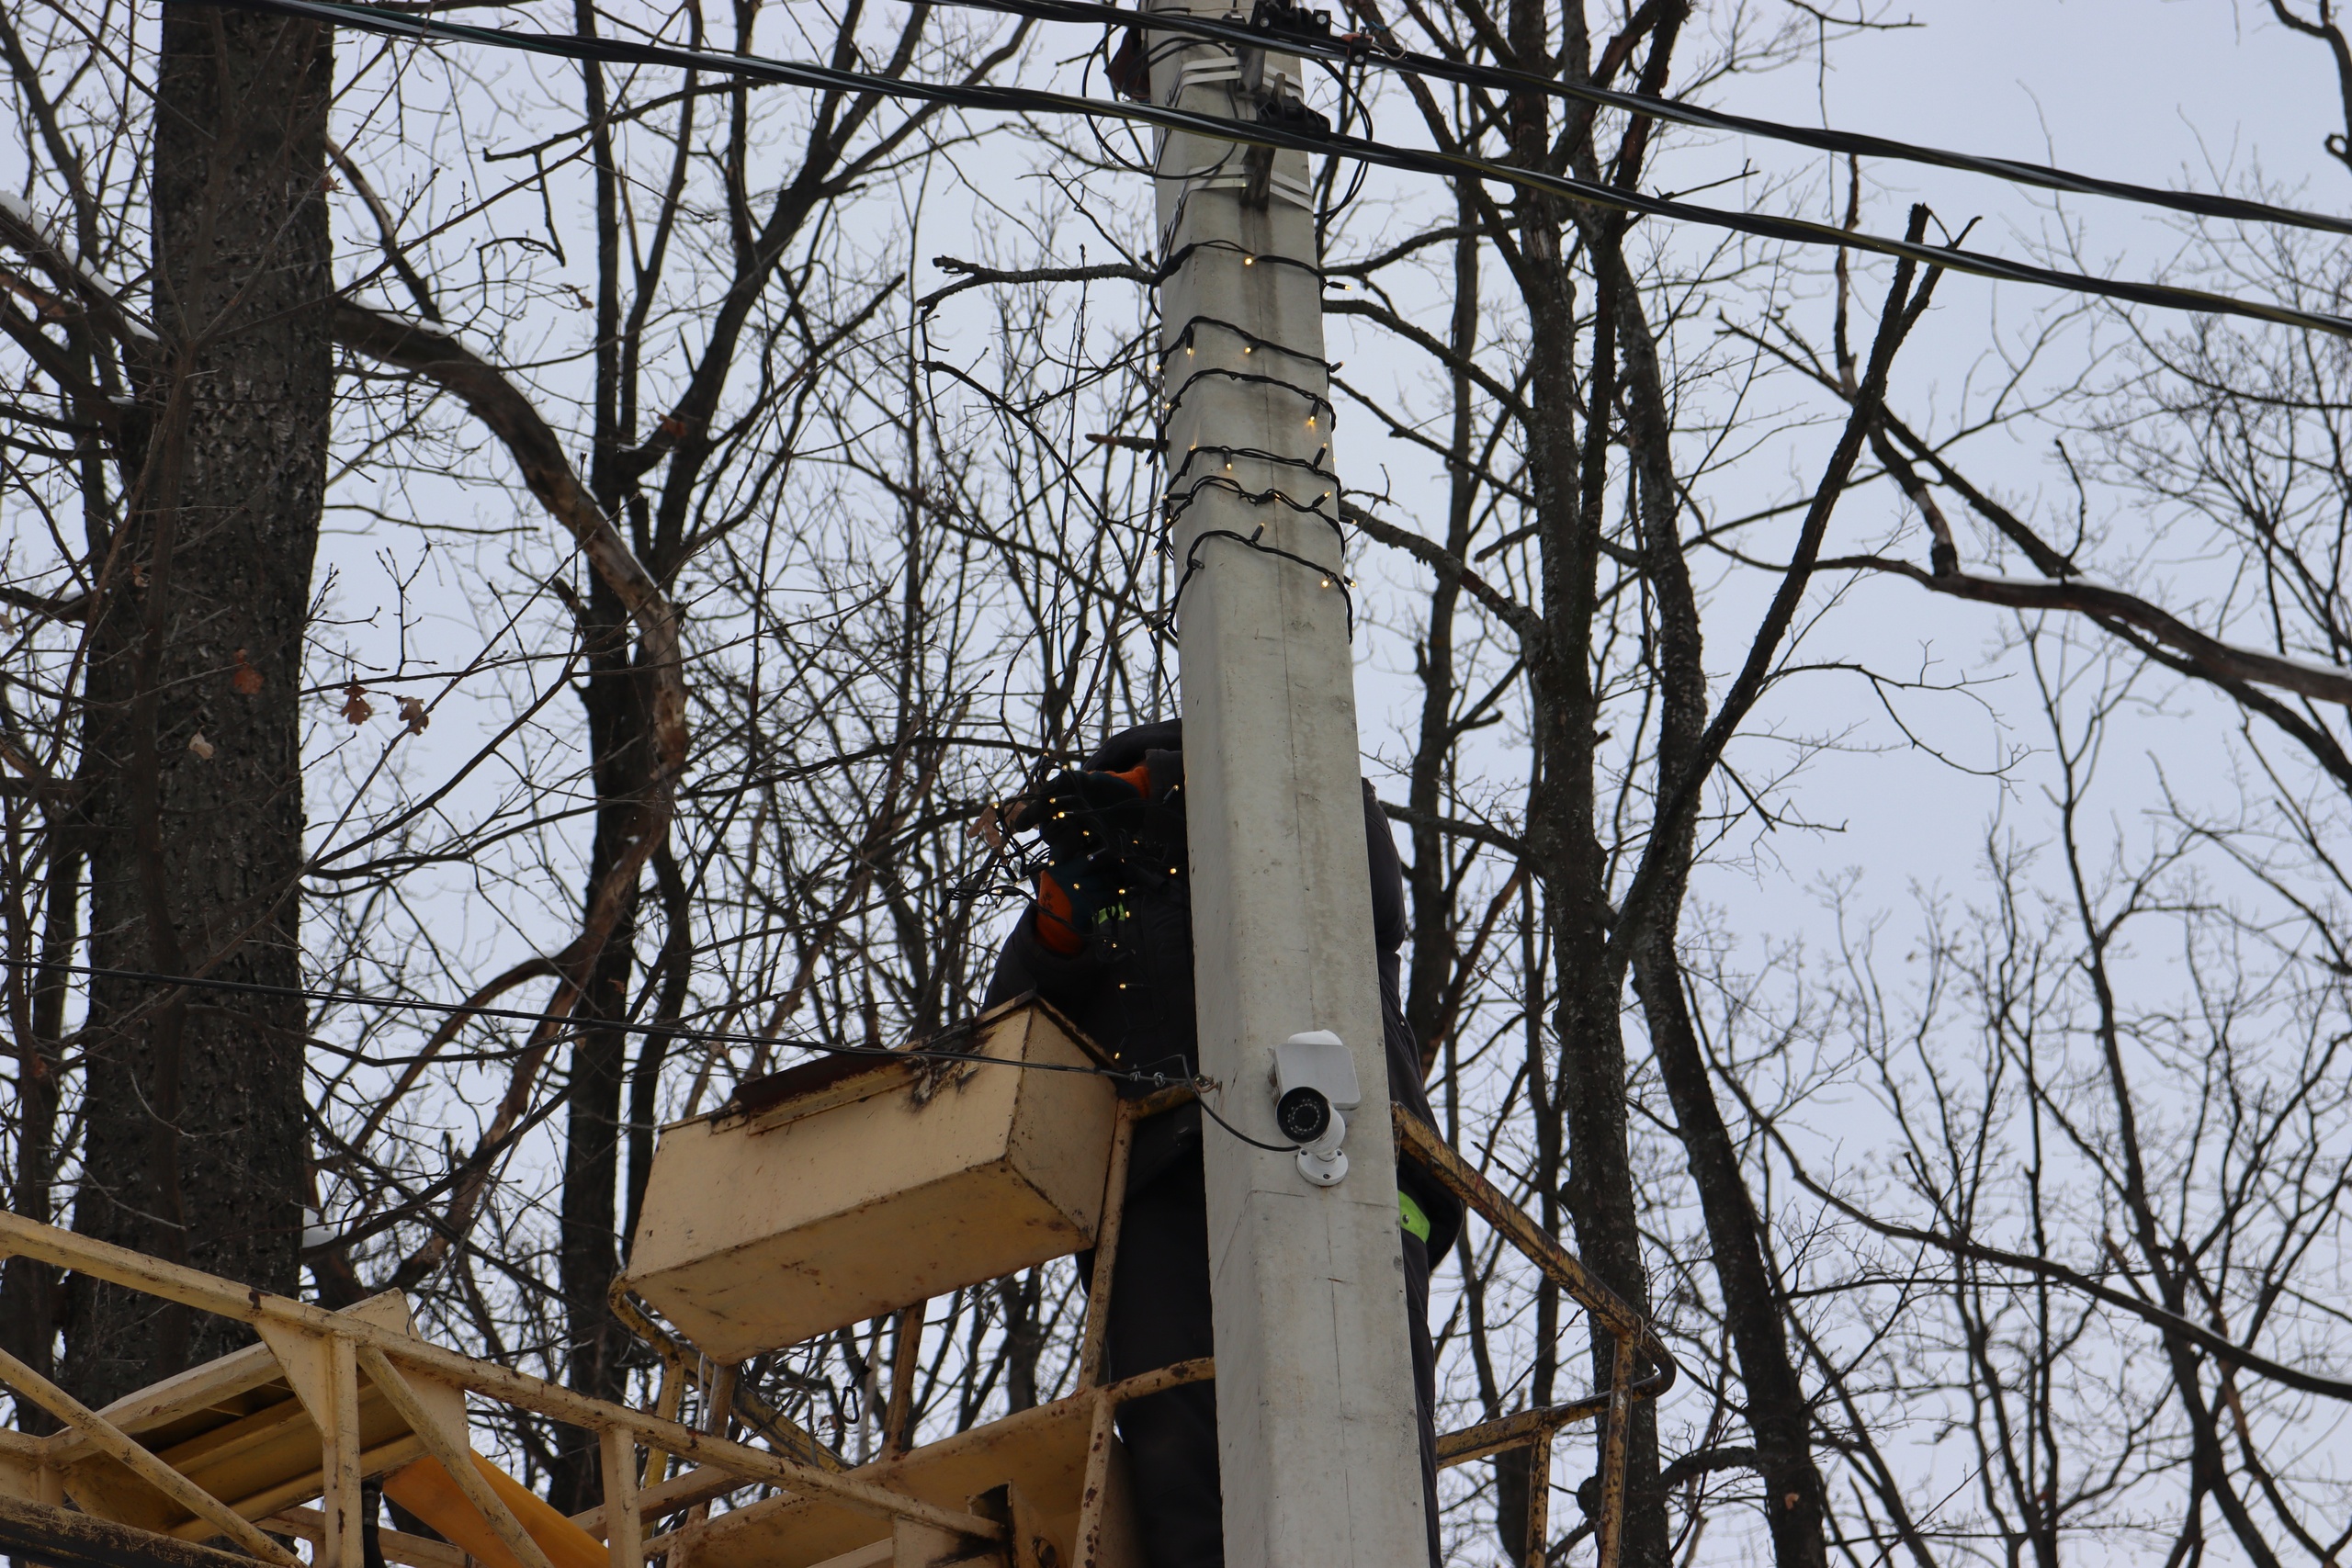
{"x": 1409, "y": 1215}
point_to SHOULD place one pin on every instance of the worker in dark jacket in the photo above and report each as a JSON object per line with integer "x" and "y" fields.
{"x": 1109, "y": 941}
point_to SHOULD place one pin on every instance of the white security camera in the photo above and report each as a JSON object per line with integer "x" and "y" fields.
{"x": 1314, "y": 1081}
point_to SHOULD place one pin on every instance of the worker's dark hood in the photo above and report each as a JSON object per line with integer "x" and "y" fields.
{"x": 1127, "y": 749}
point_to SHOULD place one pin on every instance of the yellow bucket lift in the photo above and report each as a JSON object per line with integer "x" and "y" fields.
{"x": 851, "y": 1186}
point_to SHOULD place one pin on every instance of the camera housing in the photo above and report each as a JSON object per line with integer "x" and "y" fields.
{"x": 1315, "y": 1081}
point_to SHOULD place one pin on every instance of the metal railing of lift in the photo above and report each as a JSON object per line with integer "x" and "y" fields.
{"x": 1635, "y": 1341}
{"x": 326, "y": 1352}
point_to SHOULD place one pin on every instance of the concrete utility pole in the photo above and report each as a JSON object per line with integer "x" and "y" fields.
{"x": 1315, "y": 1390}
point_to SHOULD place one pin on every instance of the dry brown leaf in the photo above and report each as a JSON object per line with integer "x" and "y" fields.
{"x": 356, "y": 708}
{"x": 244, "y": 677}
{"x": 413, "y": 714}
{"x": 201, "y": 747}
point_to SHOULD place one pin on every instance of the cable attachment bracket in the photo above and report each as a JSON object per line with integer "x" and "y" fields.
{"x": 1279, "y": 100}
{"x": 1285, "y": 19}
{"x": 1293, "y": 114}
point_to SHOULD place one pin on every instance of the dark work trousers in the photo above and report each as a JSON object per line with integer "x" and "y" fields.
{"x": 1159, "y": 1313}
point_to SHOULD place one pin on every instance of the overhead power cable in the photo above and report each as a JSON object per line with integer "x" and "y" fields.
{"x": 1796, "y": 231}
{"x": 574, "y": 1021}
{"x": 1365, "y": 49}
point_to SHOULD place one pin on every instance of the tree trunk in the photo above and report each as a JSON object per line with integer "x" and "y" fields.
{"x": 1776, "y": 1408}
{"x": 1024, "y": 1337}
{"x": 1774, "y": 1397}
{"x": 1431, "y": 983}
{"x": 621, "y": 759}
{"x": 28, "y": 1286}
{"x": 1564, "y": 846}
{"x": 620, "y": 733}
{"x": 194, "y": 1128}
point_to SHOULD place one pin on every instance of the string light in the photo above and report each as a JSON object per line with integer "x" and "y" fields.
{"x": 1231, "y": 454}
{"x": 1189, "y": 334}
{"x": 1315, "y": 400}
{"x": 1184, "y": 253}
{"x": 1176, "y": 505}
{"x": 1251, "y": 540}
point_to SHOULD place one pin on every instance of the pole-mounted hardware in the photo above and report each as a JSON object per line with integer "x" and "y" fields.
{"x": 1315, "y": 1081}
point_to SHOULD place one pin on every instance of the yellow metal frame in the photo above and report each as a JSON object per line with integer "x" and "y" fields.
{"x": 305, "y": 1339}
{"x": 1535, "y": 1430}
{"x": 322, "y": 1355}
{"x": 1634, "y": 1339}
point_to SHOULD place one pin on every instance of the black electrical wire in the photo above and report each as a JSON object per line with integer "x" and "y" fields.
{"x": 1332, "y": 577}
{"x": 1313, "y": 400}
{"x": 574, "y": 1021}
{"x": 1363, "y": 47}
{"x": 1210, "y": 1111}
{"x": 1175, "y": 506}
{"x": 1352, "y": 102}
{"x": 1188, "y": 335}
{"x": 1310, "y": 465}
{"x": 1797, "y": 230}
{"x": 1110, "y": 154}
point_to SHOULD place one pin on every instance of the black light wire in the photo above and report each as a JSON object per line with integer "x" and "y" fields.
{"x": 1177, "y": 503}
{"x": 1187, "y": 336}
{"x": 1183, "y": 254}
{"x": 1270, "y": 496}
{"x": 1322, "y": 406}
{"x": 1798, "y": 230}
{"x": 1333, "y": 576}
{"x": 1312, "y": 466}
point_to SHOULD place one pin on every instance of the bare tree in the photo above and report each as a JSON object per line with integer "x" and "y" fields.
{"x": 733, "y": 563}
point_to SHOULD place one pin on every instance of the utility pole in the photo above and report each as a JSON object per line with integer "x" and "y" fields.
{"x": 1320, "y": 1455}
